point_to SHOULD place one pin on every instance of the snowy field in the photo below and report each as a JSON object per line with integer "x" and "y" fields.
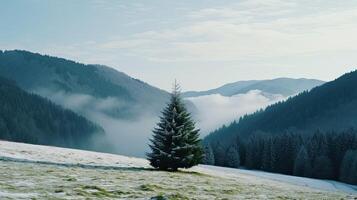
{"x": 327, "y": 185}
{"x": 45, "y": 154}
{"x": 40, "y": 172}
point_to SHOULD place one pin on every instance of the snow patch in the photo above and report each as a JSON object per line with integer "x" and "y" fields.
{"x": 327, "y": 185}
{"x": 39, "y": 153}
{"x": 12, "y": 151}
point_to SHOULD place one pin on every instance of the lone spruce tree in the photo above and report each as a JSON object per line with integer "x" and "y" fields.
{"x": 175, "y": 142}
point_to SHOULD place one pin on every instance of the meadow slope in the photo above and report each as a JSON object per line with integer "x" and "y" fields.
{"x": 40, "y": 172}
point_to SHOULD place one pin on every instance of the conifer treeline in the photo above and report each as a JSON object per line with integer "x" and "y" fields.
{"x": 322, "y": 155}
{"x": 29, "y": 118}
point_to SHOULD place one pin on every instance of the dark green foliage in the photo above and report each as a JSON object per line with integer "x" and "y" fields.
{"x": 254, "y": 151}
{"x": 317, "y": 146}
{"x": 271, "y": 153}
{"x": 29, "y": 118}
{"x": 175, "y": 143}
{"x": 339, "y": 144}
{"x": 302, "y": 166}
{"x": 322, "y": 168}
{"x": 272, "y": 138}
{"x": 346, "y": 166}
{"x": 348, "y": 171}
{"x": 232, "y": 157}
{"x": 47, "y": 75}
{"x": 300, "y": 154}
{"x": 219, "y": 154}
{"x": 32, "y": 70}
{"x": 208, "y": 155}
{"x": 332, "y": 106}
{"x": 269, "y": 156}
{"x": 353, "y": 170}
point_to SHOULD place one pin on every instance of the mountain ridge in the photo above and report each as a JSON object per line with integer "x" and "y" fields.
{"x": 124, "y": 106}
{"x": 308, "y": 111}
{"x": 33, "y": 72}
{"x": 283, "y": 85}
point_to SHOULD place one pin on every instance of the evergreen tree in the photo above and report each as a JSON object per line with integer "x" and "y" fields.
{"x": 346, "y": 166}
{"x": 266, "y": 155}
{"x": 343, "y": 142}
{"x": 317, "y": 146}
{"x": 302, "y": 166}
{"x": 219, "y": 154}
{"x": 232, "y": 157}
{"x": 208, "y": 157}
{"x": 316, "y": 155}
{"x": 323, "y": 168}
{"x": 254, "y": 151}
{"x": 175, "y": 143}
{"x": 353, "y": 170}
{"x": 241, "y": 150}
{"x": 349, "y": 167}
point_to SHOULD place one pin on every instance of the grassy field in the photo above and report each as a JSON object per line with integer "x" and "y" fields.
{"x": 44, "y": 181}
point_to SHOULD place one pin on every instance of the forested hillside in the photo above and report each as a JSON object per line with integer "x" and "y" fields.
{"x": 312, "y": 134}
{"x": 331, "y": 106}
{"x": 50, "y": 76}
{"x": 124, "y": 106}
{"x": 29, "y": 118}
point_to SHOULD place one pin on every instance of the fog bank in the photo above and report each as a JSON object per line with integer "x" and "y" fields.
{"x": 215, "y": 110}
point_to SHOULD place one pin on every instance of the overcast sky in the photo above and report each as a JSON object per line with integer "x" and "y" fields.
{"x": 202, "y": 43}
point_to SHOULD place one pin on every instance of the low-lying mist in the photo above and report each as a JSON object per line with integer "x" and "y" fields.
{"x": 129, "y": 135}
{"x": 125, "y": 135}
{"x": 215, "y": 110}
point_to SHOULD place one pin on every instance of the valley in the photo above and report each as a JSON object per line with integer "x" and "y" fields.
{"x": 178, "y": 100}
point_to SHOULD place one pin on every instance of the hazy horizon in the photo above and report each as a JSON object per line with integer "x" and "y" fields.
{"x": 183, "y": 89}
{"x": 218, "y": 41}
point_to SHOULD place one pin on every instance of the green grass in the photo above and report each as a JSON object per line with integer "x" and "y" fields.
{"x": 71, "y": 179}
{"x": 176, "y": 196}
{"x": 150, "y": 187}
{"x": 26, "y": 181}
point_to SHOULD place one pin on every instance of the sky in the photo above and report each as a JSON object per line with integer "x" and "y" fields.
{"x": 202, "y": 43}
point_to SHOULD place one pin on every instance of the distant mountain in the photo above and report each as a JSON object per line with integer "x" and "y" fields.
{"x": 332, "y": 106}
{"x": 127, "y": 108}
{"x": 30, "y": 118}
{"x": 225, "y": 104}
{"x": 282, "y": 86}
{"x": 48, "y": 76}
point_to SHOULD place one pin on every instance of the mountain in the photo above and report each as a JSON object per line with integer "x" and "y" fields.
{"x": 331, "y": 106}
{"x": 48, "y": 76}
{"x": 225, "y": 104}
{"x": 26, "y": 117}
{"x": 125, "y": 107}
{"x": 224, "y": 90}
{"x": 282, "y": 86}
{"x": 313, "y": 134}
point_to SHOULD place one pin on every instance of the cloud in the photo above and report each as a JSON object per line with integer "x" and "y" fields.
{"x": 83, "y": 103}
{"x": 246, "y": 11}
{"x": 125, "y": 135}
{"x": 246, "y": 30}
{"x": 230, "y": 40}
{"x": 130, "y": 135}
{"x": 117, "y": 6}
{"x": 215, "y": 110}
